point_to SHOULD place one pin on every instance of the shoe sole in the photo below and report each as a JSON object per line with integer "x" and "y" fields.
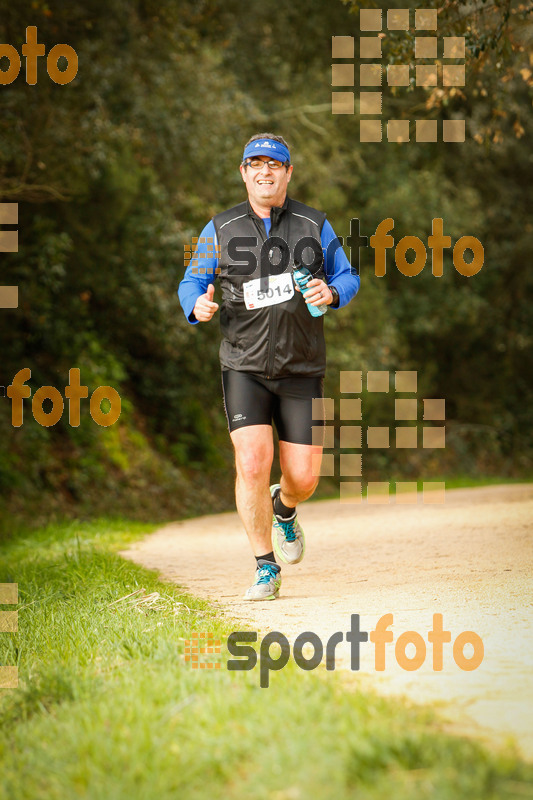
{"x": 275, "y": 547}
{"x": 279, "y": 552}
{"x": 260, "y": 599}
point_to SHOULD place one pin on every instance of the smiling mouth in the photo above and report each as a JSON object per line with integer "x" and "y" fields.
{"x": 263, "y": 183}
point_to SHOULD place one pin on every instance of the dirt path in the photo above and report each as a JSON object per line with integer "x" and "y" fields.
{"x": 470, "y": 559}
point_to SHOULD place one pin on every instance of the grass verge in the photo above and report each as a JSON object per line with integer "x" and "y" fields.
{"x": 108, "y": 708}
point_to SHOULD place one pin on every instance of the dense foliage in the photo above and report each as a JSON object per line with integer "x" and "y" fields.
{"x": 114, "y": 173}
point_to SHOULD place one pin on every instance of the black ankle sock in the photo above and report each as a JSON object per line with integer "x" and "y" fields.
{"x": 269, "y": 557}
{"x": 282, "y": 510}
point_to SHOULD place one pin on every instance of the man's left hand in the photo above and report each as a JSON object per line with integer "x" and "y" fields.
{"x": 318, "y": 293}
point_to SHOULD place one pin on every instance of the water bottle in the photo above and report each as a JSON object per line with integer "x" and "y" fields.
{"x": 302, "y": 276}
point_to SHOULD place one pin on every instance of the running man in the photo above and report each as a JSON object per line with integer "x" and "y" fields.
{"x": 273, "y": 353}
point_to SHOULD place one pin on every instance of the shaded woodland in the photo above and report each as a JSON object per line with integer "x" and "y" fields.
{"x": 116, "y": 171}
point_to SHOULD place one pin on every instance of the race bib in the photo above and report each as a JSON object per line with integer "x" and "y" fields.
{"x": 280, "y": 288}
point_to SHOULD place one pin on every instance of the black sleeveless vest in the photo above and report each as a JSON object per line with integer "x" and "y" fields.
{"x": 278, "y": 340}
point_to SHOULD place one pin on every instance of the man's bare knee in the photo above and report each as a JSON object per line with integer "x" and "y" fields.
{"x": 301, "y": 486}
{"x": 253, "y": 467}
{"x": 254, "y": 451}
{"x": 253, "y": 462}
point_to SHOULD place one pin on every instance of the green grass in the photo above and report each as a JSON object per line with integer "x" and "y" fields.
{"x": 107, "y": 708}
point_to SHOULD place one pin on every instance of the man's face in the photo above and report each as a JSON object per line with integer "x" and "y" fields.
{"x": 266, "y": 186}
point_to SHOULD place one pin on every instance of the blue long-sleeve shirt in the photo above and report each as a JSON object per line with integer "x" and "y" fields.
{"x": 201, "y": 270}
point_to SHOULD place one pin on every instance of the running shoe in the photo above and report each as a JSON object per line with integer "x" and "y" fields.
{"x": 267, "y": 582}
{"x": 288, "y": 539}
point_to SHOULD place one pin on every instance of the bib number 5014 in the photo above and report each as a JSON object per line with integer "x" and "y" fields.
{"x": 280, "y": 288}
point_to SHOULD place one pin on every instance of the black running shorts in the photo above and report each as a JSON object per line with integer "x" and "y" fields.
{"x": 251, "y": 400}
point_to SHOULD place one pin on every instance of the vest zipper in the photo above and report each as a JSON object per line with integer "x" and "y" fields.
{"x": 271, "y": 342}
{"x": 271, "y": 354}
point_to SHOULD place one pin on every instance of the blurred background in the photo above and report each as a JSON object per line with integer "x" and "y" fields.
{"x": 117, "y": 170}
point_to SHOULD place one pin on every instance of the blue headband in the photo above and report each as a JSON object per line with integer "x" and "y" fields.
{"x": 267, "y": 147}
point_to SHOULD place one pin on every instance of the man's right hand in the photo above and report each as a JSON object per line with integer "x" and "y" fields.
{"x": 204, "y": 308}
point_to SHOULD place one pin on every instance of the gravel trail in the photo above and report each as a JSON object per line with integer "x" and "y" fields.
{"x": 469, "y": 559}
